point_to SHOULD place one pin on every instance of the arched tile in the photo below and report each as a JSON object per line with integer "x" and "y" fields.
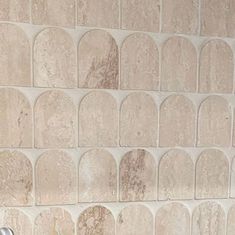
{"x": 231, "y": 221}
{"x": 140, "y": 15}
{"x": 55, "y": 120}
{"x": 97, "y": 177}
{"x": 180, "y": 16}
{"x": 214, "y": 122}
{"x": 53, "y": 12}
{"x": 232, "y": 190}
{"x": 102, "y": 13}
{"x": 96, "y": 220}
{"x": 139, "y": 63}
{"x": 98, "y": 114}
{"x": 177, "y": 122}
{"x": 216, "y": 67}
{"x": 98, "y": 60}
{"x": 55, "y": 179}
{"x": 173, "y": 218}
{"x": 14, "y": 56}
{"x": 138, "y": 121}
{"x": 212, "y": 175}
{"x": 179, "y": 65}
{"x": 17, "y": 221}
{"x": 208, "y": 218}
{"x": 135, "y": 219}
{"x": 54, "y": 59}
{"x": 15, "y": 119}
{"x": 16, "y": 179}
{"x": 138, "y": 176}
{"x": 54, "y": 221}
{"x": 176, "y": 176}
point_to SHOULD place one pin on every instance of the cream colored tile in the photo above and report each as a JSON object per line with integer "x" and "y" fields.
{"x": 231, "y": 221}
{"x": 232, "y": 189}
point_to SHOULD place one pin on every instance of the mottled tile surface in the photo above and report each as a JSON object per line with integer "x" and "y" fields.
{"x": 15, "y": 119}
{"x": 96, "y": 220}
{"x": 232, "y": 189}
{"x": 97, "y": 177}
{"x": 179, "y": 65}
{"x": 139, "y": 63}
{"x": 138, "y": 121}
{"x": 14, "y": 56}
{"x": 176, "y": 176}
{"x": 54, "y": 59}
{"x": 231, "y": 221}
{"x": 98, "y": 60}
{"x": 137, "y": 176}
{"x": 216, "y": 68}
{"x": 55, "y": 120}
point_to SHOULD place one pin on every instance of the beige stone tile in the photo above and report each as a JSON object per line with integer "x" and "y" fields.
{"x": 216, "y": 67}
{"x": 54, "y": 59}
{"x": 54, "y": 221}
{"x": 97, "y": 177}
{"x": 208, "y": 219}
{"x": 139, "y": 63}
{"x": 98, "y": 60}
{"x": 14, "y": 56}
{"x": 212, "y": 175}
{"x": 96, "y": 220}
{"x": 53, "y": 12}
{"x": 15, "y": 119}
{"x": 218, "y": 18}
{"x": 102, "y": 13}
{"x": 135, "y": 219}
{"x": 232, "y": 189}
{"x": 176, "y": 176}
{"x": 140, "y": 15}
{"x": 173, "y": 218}
{"x": 177, "y": 122}
{"x": 55, "y": 120}
{"x": 231, "y": 221}
{"x": 181, "y": 16}
{"x": 214, "y": 122}
{"x": 138, "y": 176}
{"x": 15, "y": 10}
{"x": 55, "y": 179}
{"x": 98, "y": 120}
{"x": 179, "y": 65}
{"x": 16, "y": 220}
{"x": 16, "y": 179}
{"x": 138, "y": 121}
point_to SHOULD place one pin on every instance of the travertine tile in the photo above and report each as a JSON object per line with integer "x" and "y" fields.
{"x": 177, "y": 122}
{"x": 231, "y": 221}
{"x": 138, "y": 121}
{"x": 140, "y": 15}
{"x": 54, "y": 221}
{"x": 96, "y": 220}
{"x": 15, "y": 119}
{"x": 214, "y": 122}
{"x": 218, "y": 18}
{"x": 135, "y": 219}
{"x": 14, "y": 56}
{"x": 97, "y": 177}
{"x": 173, "y": 218}
{"x": 54, "y": 59}
{"x": 208, "y": 219}
{"x": 216, "y": 67}
{"x": 55, "y": 120}
{"x": 176, "y": 176}
{"x": 53, "y": 12}
{"x": 212, "y": 175}
{"x": 137, "y": 176}
{"x": 55, "y": 179}
{"x": 98, "y": 120}
{"x": 98, "y": 60}
{"x": 179, "y": 65}
{"x": 181, "y": 16}
{"x": 232, "y": 189}
{"x": 139, "y": 63}
{"x": 16, "y": 179}
{"x": 16, "y": 220}
{"x": 102, "y": 13}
